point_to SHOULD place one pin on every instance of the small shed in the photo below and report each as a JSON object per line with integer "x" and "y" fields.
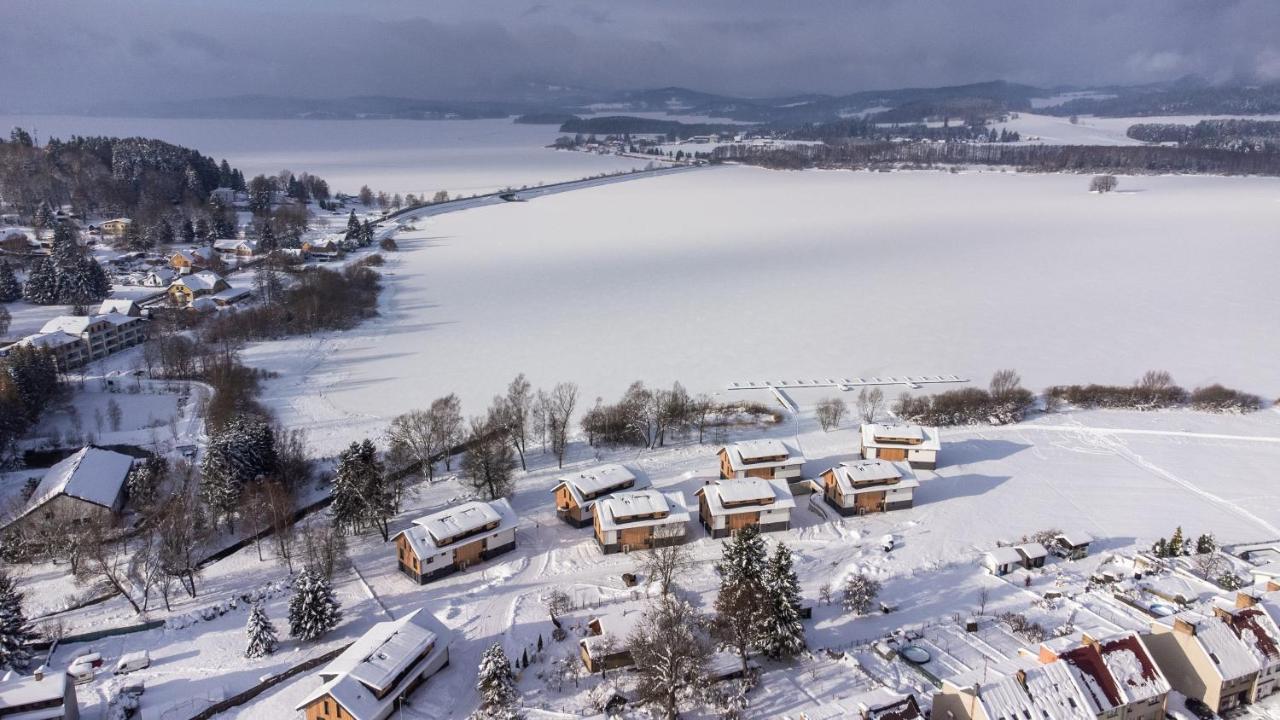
{"x": 1002, "y": 561}
{"x": 1033, "y": 554}
{"x": 1072, "y": 545}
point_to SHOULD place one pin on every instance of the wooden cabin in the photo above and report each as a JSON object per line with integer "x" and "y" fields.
{"x": 1072, "y": 545}
{"x": 861, "y": 487}
{"x": 187, "y": 288}
{"x": 727, "y": 506}
{"x": 374, "y": 675}
{"x": 916, "y": 444}
{"x": 605, "y": 646}
{"x": 1033, "y": 554}
{"x": 765, "y": 459}
{"x": 638, "y": 520}
{"x": 576, "y": 495}
{"x": 454, "y": 539}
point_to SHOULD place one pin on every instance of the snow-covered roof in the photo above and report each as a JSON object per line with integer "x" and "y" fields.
{"x": 1092, "y": 679}
{"x": 232, "y": 294}
{"x": 1055, "y": 693}
{"x": 468, "y": 522}
{"x": 17, "y": 690}
{"x": 1131, "y": 667}
{"x": 50, "y": 339}
{"x": 1074, "y": 538}
{"x": 595, "y": 481}
{"x": 91, "y": 474}
{"x": 900, "y": 435}
{"x": 203, "y": 304}
{"x": 122, "y": 220}
{"x": 1032, "y": 550}
{"x": 371, "y": 664}
{"x": 616, "y": 623}
{"x": 117, "y": 319}
{"x": 758, "y": 453}
{"x": 1231, "y": 659}
{"x": 1258, "y": 631}
{"x": 860, "y": 476}
{"x": 613, "y": 511}
{"x": 200, "y": 253}
{"x": 730, "y": 497}
{"x": 203, "y": 280}
{"x": 1003, "y": 556}
{"x": 123, "y": 306}
{"x": 71, "y": 324}
{"x": 235, "y": 244}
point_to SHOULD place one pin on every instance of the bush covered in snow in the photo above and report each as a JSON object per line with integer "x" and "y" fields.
{"x": 1216, "y": 398}
{"x": 1152, "y": 391}
{"x": 1023, "y": 627}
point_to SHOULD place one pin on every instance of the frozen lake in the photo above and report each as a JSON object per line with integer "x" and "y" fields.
{"x": 737, "y": 273}
{"x": 404, "y": 156}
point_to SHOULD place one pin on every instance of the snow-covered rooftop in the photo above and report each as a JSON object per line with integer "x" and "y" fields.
{"x": 372, "y": 663}
{"x": 1075, "y": 538}
{"x": 900, "y": 435}
{"x": 70, "y": 324}
{"x": 91, "y": 474}
{"x": 598, "y": 479}
{"x": 18, "y": 690}
{"x": 1032, "y": 550}
{"x": 728, "y": 497}
{"x": 464, "y": 519}
{"x": 1003, "y": 556}
{"x": 614, "y": 511}
{"x": 1130, "y": 665}
{"x": 616, "y": 623}
{"x": 860, "y": 476}
{"x": 124, "y": 306}
{"x": 760, "y": 454}
{"x": 51, "y": 339}
{"x": 1230, "y": 657}
{"x": 203, "y": 280}
{"x": 1258, "y": 631}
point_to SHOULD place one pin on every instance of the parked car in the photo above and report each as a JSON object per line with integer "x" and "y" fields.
{"x": 80, "y": 674}
{"x": 133, "y": 688}
{"x": 1202, "y": 711}
{"x": 91, "y": 658}
{"x": 130, "y": 662}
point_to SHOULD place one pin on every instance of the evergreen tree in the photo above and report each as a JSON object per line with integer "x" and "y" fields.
{"x": 313, "y": 610}
{"x": 42, "y": 283}
{"x": 133, "y": 238}
{"x": 225, "y": 176}
{"x": 1160, "y": 548}
{"x": 366, "y": 233}
{"x": 1206, "y": 544}
{"x": 261, "y": 633}
{"x": 783, "y": 633}
{"x": 44, "y": 215}
{"x": 240, "y": 452}
{"x": 10, "y": 290}
{"x": 267, "y": 239}
{"x": 740, "y": 614}
{"x": 188, "y": 231}
{"x": 860, "y": 592}
{"x": 15, "y": 632}
{"x": 496, "y": 684}
{"x": 360, "y": 495}
{"x": 1176, "y": 543}
{"x": 353, "y": 225}
{"x": 202, "y": 230}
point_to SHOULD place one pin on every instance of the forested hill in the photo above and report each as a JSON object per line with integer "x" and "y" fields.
{"x": 128, "y": 176}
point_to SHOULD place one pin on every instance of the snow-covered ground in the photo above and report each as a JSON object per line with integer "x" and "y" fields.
{"x": 1090, "y": 130}
{"x": 404, "y": 156}
{"x": 772, "y": 275}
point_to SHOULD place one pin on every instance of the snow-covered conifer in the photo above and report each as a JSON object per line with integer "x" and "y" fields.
{"x": 15, "y": 632}
{"x": 313, "y": 610}
{"x": 860, "y": 592}
{"x": 42, "y": 283}
{"x": 261, "y": 633}
{"x": 10, "y": 290}
{"x": 496, "y": 684}
{"x": 783, "y": 634}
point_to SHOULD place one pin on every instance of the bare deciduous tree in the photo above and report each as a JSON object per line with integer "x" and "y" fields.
{"x": 670, "y": 650}
{"x": 830, "y": 412}
{"x": 519, "y": 407}
{"x": 1004, "y": 383}
{"x": 662, "y": 563}
{"x": 486, "y": 466}
{"x": 870, "y": 403}
{"x": 563, "y": 399}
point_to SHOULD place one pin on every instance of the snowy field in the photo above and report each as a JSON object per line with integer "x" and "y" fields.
{"x": 734, "y": 273}
{"x": 404, "y": 156}
{"x": 1089, "y": 130}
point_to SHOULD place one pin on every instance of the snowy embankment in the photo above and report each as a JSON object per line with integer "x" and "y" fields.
{"x": 731, "y": 274}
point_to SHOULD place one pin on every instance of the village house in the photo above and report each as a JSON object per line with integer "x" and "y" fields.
{"x": 231, "y": 296}
{"x": 236, "y": 250}
{"x": 44, "y": 695}
{"x": 1115, "y": 673}
{"x": 868, "y": 486}
{"x": 1256, "y": 627}
{"x": 1014, "y": 690}
{"x": 916, "y": 444}
{"x": 159, "y": 277}
{"x": 1072, "y": 545}
{"x": 88, "y": 485}
{"x": 375, "y": 674}
{"x": 1002, "y": 560}
{"x": 605, "y": 646}
{"x": 1203, "y": 659}
{"x": 115, "y": 226}
{"x": 767, "y": 459}
{"x": 1033, "y": 554}
{"x": 727, "y": 506}
{"x": 120, "y": 306}
{"x": 456, "y": 538}
{"x": 189, "y": 287}
{"x": 576, "y": 495}
{"x": 78, "y": 339}
{"x": 640, "y": 519}
{"x": 326, "y": 249}
{"x": 882, "y": 704}
{"x": 188, "y": 261}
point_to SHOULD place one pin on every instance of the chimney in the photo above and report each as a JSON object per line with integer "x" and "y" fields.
{"x": 1245, "y": 599}
{"x": 1022, "y": 678}
{"x": 38, "y": 674}
{"x": 1185, "y": 627}
{"x": 1273, "y": 585}
{"x": 1047, "y": 655}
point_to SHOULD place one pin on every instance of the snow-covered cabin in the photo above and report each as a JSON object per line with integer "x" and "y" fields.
{"x": 869, "y": 486}
{"x": 1033, "y": 554}
{"x": 578, "y": 493}
{"x": 640, "y": 519}
{"x": 605, "y": 646}
{"x": 45, "y": 695}
{"x": 120, "y": 306}
{"x": 766, "y": 459}
{"x": 231, "y": 296}
{"x": 189, "y": 287}
{"x": 88, "y": 484}
{"x": 185, "y": 261}
{"x": 454, "y": 539}
{"x": 236, "y": 249}
{"x": 159, "y": 277}
{"x": 1017, "y": 692}
{"x": 1002, "y": 560}
{"x": 1257, "y": 629}
{"x": 326, "y": 249}
{"x": 1203, "y": 659}
{"x": 727, "y": 506}
{"x": 1072, "y": 545}
{"x": 917, "y": 444}
{"x": 115, "y": 226}
{"x": 1115, "y": 673}
{"x": 369, "y": 679}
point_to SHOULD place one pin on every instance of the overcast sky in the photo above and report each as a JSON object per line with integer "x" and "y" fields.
{"x": 74, "y": 53}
